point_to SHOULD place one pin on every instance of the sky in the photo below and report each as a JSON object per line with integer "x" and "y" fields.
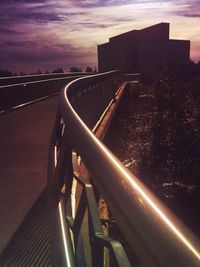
{"x": 47, "y": 34}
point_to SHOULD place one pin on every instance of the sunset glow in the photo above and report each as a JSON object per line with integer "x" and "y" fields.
{"x": 48, "y": 34}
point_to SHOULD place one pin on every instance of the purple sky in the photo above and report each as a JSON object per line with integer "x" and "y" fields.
{"x": 47, "y": 34}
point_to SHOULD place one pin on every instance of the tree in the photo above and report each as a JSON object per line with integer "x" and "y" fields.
{"x": 58, "y": 70}
{"x": 39, "y": 71}
{"x": 89, "y": 69}
{"x": 5, "y": 73}
{"x": 75, "y": 69}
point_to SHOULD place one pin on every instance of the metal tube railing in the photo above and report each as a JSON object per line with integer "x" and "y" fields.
{"x": 14, "y": 95}
{"x": 154, "y": 234}
{"x": 37, "y": 77}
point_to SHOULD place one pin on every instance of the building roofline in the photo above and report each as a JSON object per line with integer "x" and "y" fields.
{"x": 181, "y": 40}
{"x": 107, "y": 43}
{"x": 132, "y": 31}
{"x": 155, "y": 25}
{"x": 122, "y": 34}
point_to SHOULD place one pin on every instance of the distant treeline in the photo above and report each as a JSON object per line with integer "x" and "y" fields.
{"x": 8, "y": 73}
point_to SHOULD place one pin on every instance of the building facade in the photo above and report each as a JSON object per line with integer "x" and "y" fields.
{"x": 143, "y": 50}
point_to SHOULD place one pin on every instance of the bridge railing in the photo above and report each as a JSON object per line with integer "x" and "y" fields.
{"x": 154, "y": 236}
{"x": 16, "y": 94}
{"x": 37, "y": 77}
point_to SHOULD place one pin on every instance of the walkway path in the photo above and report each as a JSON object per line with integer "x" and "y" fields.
{"x": 24, "y": 138}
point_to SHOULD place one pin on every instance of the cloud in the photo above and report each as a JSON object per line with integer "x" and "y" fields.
{"x": 98, "y": 3}
{"x": 50, "y": 31}
{"x": 30, "y": 56}
{"x": 7, "y": 31}
{"x": 30, "y": 51}
{"x": 188, "y": 8}
{"x": 190, "y": 15}
{"x": 28, "y": 13}
{"x": 13, "y": 2}
{"x": 189, "y": 12}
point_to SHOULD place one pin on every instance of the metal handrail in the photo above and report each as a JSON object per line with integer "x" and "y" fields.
{"x": 18, "y": 94}
{"x": 154, "y": 234}
{"x": 39, "y": 81}
{"x": 35, "y": 77}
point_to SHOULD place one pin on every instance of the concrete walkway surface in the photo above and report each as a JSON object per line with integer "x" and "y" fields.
{"x": 24, "y": 139}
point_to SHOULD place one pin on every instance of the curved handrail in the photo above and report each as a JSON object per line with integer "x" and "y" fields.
{"x": 34, "y": 77}
{"x": 14, "y": 95}
{"x": 154, "y": 234}
{"x": 38, "y": 81}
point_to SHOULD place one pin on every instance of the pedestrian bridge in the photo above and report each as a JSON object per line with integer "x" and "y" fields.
{"x": 69, "y": 225}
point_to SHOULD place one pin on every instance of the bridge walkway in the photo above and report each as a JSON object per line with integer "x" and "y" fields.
{"x": 24, "y": 139}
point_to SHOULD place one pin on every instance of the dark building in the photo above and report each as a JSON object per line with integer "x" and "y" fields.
{"x": 143, "y": 50}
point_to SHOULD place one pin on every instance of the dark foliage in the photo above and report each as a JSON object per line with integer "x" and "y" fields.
{"x": 75, "y": 69}
{"x": 5, "y": 73}
{"x": 58, "y": 70}
{"x": 89, "y": 69}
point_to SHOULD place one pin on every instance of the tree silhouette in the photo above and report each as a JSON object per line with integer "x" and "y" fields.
{"x": 88, "y": 69}
{"x": 58, "y": 70}
{"x": 75, "y": 69}
{"x": 5, "y": 73}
